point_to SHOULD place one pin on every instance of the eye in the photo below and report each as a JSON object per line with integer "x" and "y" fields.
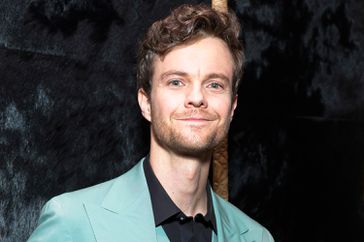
{"x": 175, "y": 82}
{"x": 215, "y": 85}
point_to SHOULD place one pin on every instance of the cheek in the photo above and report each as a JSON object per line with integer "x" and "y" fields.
{"x": 222, "y": 106}
{"x": 164, "y": 105}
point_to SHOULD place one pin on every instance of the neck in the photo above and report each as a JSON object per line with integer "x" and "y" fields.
{"x": 184, "y": 178}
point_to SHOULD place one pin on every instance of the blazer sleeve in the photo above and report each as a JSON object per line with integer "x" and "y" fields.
{"x": 51, "y": 224}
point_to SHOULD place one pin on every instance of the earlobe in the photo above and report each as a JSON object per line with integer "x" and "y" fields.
{"x": 144, "y": 104}
{"x": 233, "y": 106}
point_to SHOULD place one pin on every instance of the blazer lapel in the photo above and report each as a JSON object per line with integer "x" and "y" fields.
{"x": 227, "y": 230}
{"x": 126, "y": 212}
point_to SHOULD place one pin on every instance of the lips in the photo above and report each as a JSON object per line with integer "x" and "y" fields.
{"x": 196, "y": 119}
{"x": 196, "y": 116}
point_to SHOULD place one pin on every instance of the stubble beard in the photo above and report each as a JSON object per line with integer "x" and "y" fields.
{"x": 188, "y": 142}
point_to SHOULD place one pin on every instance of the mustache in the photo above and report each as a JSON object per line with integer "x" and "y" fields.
{"x": 195, "y": 113}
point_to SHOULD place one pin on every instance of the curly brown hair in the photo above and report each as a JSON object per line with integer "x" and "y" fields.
{"x": 188, "y": 23}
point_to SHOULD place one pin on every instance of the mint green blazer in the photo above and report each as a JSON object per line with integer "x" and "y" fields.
{"x": 120, "y": 210}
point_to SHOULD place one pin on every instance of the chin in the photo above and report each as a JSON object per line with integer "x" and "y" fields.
{"x": 193, "y": 148}
{"x": 192, "y": 151}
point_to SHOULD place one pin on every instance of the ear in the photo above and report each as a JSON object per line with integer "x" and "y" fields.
{"x": 233, "y": 106}
{"x": 144, "y": 104}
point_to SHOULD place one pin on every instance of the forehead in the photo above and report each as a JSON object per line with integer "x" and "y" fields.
{"x": 203, "y": 57}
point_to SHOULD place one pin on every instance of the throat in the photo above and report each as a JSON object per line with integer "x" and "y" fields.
{"x": 185, "y": 182}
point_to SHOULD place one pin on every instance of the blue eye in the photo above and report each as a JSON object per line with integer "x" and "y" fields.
{"x": 215, "y": 85}
{"x": 175, "y": 82}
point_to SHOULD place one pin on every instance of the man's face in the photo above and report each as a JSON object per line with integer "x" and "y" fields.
{"x": 191, "y": 103}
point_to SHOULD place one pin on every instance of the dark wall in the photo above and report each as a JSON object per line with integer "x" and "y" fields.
{"x": 69, "y": 116}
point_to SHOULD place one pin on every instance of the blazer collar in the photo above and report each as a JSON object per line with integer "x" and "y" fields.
{"x": 127, "y": 190}
{"x": 228, "y": 229}
{"x": 126, "y": 211}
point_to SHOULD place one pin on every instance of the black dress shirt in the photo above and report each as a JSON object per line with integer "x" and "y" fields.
{"x": 178, "y": 226}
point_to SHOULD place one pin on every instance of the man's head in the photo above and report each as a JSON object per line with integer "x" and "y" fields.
{"x": 186, "y": 24}
{"x": 189, "y": 69}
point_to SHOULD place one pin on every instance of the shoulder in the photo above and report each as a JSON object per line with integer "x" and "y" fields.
{"x": 92, "y": 194}
{"x": 235, "y": 214}
{"x": 96, "y": 193}
{"x": 65, "y": 217}
{"x": 239, "y": 220}
{"x": 69, "y": 206}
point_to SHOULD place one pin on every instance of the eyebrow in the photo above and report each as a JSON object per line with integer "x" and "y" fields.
{"x": 219, "y": 76}
{"x": 173, "y": 72}
{"x": 185, "y": 74}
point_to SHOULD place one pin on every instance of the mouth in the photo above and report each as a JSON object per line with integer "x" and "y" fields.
{"x": 195, "y": 121}
{"x": 195, "y": 117}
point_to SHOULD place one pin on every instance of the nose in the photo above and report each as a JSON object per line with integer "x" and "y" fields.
{"x": 196, "y": 97}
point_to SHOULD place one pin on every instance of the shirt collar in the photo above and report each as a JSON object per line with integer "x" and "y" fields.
{"x": 163, "y": 206}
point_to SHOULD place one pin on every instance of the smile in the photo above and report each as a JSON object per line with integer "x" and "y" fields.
{"x": 195, "y": 121}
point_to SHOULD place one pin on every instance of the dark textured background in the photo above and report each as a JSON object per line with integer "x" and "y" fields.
{"x": 69, "y": 117}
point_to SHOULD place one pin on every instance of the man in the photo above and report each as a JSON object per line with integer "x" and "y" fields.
{"x": 189, "y": 67}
